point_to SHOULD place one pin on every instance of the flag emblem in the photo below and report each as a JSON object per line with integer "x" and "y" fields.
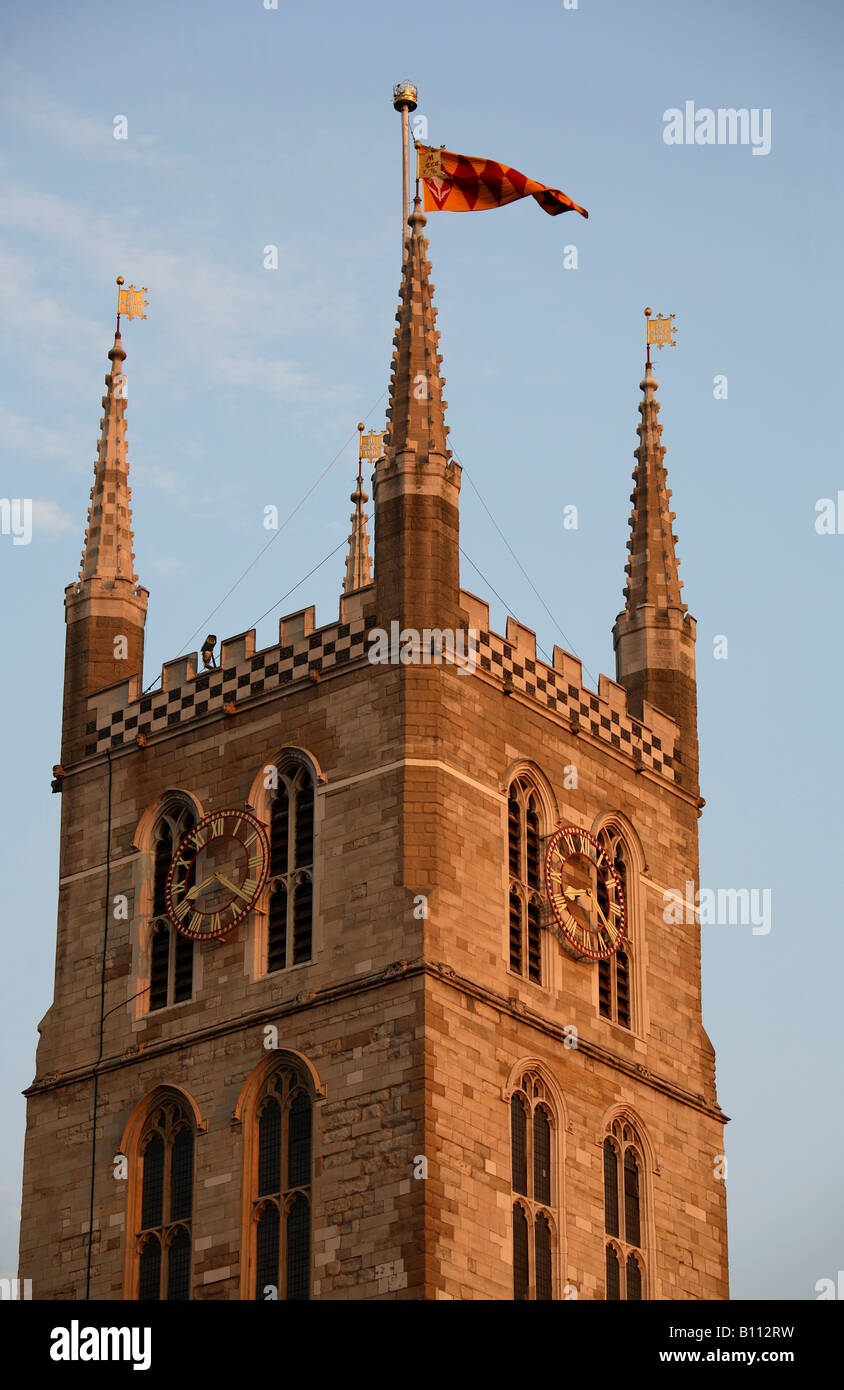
{"x": 463, "y": 183}
{"x": 371, "y": 445}
{"x": 131, "y": 302}
{"x": 660, "y": 330}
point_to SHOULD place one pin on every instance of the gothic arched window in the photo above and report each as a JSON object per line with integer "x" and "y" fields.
{"x": 163, "y": 1242}
{"x": 532, "y": 1128}
{"x": 614, "y": 975}
{"x": 291, "y": 890}
{"x": 524, "y": 856}
{"x": 624, "y": 1217}
{"x": 281, "y": 1188}
{"x": 171, "y": 954}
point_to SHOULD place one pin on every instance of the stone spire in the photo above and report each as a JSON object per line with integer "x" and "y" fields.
{"x": 105, "y": 610}
{"x": 653, "y": 564}
{"x": 417, "y": 410}
{"x": 416, "y": 483}
{"x": 358, "y": 563}
{"x": 107, "y": 553}
{"x": 654, "y": 635}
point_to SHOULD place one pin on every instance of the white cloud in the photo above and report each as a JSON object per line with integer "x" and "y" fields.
{"x": 91, "y": 137}
{"x": 48, "y": 519}
{"x": 25, "y": 438}
{"x": 164, "y": 565}
{"x": 222, "y": 324}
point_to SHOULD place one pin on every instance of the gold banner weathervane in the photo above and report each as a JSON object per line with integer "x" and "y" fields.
{"x": 371, "y": 445}
{"x": 659, "y": 331}
{"x": 130, "y": 302}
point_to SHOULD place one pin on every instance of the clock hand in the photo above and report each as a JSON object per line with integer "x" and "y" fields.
{"x": 227, "y": 883}
{"x": 610, "y": 926}
{"x": 199, "y": 888}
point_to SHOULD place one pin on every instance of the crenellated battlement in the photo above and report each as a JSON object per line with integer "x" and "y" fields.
{"x": 121, "y": 714}
{"x": 649, "y": 741}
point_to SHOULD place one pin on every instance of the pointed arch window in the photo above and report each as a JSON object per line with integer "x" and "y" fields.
{"x": 291, "y": 890}
{"x": 624, "y": 1222}
{"x": 615, "y": 975}
{"x": 281, "y": 1197}
{"x": 524, "y": 835}
{"x": 171, "y": 954}
{"x": 534, "y": 1185}
{"x": 163, "y": 1242}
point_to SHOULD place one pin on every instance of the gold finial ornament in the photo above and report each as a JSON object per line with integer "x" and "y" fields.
{"x": 404, "y": 96}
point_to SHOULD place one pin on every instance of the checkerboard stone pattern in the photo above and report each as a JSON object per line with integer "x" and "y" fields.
{"x": 332, "y": 647}
{"x": 584, "y": 710}
{"x": 209, "y": 692}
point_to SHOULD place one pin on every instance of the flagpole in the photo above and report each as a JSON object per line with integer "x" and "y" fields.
{"x": 119, "y": 283}
{"x": 404, "y": 100}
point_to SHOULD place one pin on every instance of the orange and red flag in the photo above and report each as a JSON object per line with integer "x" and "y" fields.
{"x": 461, "y": 183}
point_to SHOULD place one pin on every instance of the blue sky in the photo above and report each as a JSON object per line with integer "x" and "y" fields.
{"x": 249, "y": 127}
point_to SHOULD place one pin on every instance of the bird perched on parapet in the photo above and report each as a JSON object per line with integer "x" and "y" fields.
{"x": 208, "y": 658}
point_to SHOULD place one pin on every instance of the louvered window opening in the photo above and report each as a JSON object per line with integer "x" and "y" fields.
{"x": 515, "y": 933}
{"x": 291, "y": 902}
{"x": 614, "y": 974}
{"x": 525, "y": 869}
{"x": 171, "y": 954}
{"x": 277, "y": 933}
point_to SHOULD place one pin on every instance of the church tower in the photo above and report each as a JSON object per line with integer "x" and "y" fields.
{"x": 323, "y": 1027}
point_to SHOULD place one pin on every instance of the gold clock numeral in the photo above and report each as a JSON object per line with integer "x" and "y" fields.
{"x": 249, "y": 885}
{"x": 255, "y": 862}
{"x": 216, "y": 922}
{"x": 195, "y": 922}
{"x": 218, "y": 827}
{"x": 250, "y": 839}
{"x": 555, "y": 875}
{"x": 183, "y": 908}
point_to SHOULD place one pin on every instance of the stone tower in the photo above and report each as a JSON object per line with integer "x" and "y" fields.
{"x": 387, "y": 1079}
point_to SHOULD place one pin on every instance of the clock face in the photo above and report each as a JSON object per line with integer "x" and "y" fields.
{"x": 585, "y": 894}
{"x": 217, "y": 873}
